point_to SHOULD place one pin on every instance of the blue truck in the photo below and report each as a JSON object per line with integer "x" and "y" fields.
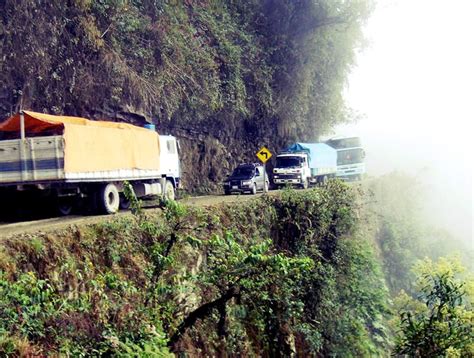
{"x": 303, "y": 164}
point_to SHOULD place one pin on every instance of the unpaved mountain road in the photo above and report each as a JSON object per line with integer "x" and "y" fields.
{"x": 58, "y": 223}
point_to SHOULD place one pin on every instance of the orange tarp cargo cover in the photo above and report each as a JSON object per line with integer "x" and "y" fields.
{"x": 92, "y": 146}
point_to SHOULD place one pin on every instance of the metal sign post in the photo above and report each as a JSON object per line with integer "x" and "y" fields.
{"x": 264, "y": 154}
{"x": 265, "y": 178}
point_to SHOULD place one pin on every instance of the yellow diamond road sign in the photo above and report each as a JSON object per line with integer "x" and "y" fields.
{"x": 264, "y": 154}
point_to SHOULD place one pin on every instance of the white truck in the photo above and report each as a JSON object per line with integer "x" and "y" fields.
{"x": 350, "y": 157}
{"x": 74, "y": 161}
{"x": 303, "y": 164}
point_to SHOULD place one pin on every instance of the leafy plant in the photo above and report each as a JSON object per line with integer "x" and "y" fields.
{"x": 439, "y": 321}
{"x": 135, "y": 203}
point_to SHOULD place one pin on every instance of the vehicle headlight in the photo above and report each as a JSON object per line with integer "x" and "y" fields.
{"x": 276, "y": 176}
{"x": 246, "y": 182}
{"x": 226, "y": 183}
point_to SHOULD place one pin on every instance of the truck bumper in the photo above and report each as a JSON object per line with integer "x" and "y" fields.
{"x": 350, "y": 177}
{"x": 287, "y": 181}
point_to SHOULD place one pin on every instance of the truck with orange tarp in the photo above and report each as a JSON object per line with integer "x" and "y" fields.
{"x": 76, "y": 160}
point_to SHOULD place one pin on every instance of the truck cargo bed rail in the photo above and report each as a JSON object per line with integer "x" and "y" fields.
{"x": 32, "y": 159}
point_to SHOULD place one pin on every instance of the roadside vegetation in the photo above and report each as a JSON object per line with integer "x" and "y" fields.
{"x": 428, "y": 271}
{"x": 306, "y": 273}
{"x": 438, "y": 321}
{"x": 274, "y": 276}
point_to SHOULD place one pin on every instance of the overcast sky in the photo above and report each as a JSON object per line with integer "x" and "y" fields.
{"x": 414, "y": 83}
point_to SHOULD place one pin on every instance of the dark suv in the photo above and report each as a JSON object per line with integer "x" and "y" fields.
{"x": 246, "y": 178}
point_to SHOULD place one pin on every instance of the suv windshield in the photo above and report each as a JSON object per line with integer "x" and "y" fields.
{"x": 243, "y": 172}
{"x": 288, "y": 162}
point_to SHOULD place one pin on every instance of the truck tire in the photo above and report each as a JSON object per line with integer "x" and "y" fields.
{"x": 254, "y": 189}
{"x": 64, "y": 206}
{"x": 169, "y": 190}
{"x": 108, "y": 200}
{"x": 305, "y": 184}
{"x": 227, "y": 192}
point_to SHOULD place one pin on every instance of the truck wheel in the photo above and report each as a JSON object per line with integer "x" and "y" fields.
{"x": 254, "y": 189}
{"x": 169, "y": 190}
{"x": 64, "y": 206}
{"x": 324, "y": 180}
{"x": 227, "y": 192}
{"x": 108, "y": 199}
{"x": 305, "y": 184}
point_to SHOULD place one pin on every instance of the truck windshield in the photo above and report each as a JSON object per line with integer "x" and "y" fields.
{"x": 288, "y": 162}
{"x": 243, "y": 172}
{"x": 344, "y": 142}
{"x": 350, "y": 156}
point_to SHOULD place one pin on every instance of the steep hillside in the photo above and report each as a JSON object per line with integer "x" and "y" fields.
{"x": 319, "y": 272}
{"x": 226, "y": 77}
{"x": 275, "y": 276}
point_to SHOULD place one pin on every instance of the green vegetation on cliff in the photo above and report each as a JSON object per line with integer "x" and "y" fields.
{"x": 424, "y": 268}
{"x": 274, "y": 276}
{"x": 439, "y": 320}
{"x": 311, "y": 273}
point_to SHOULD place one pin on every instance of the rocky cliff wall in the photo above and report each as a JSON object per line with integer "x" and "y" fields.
{"x": 225, "y": 77}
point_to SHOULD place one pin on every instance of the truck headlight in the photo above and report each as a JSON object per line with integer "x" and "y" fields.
{"x": 246, "y": 182}
{"x": 276, "y": 176}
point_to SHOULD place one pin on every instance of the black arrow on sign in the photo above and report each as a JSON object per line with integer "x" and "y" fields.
{"x": 262, "y": 152}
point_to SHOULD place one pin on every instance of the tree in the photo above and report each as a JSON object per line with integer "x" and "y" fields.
{"x": 257, "y": 277}
{"x": 440, "y": 321}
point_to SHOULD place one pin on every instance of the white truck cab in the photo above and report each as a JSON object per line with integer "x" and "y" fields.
{"x": 350, "y": 157}
{"x": 303, "y": 164}
{"x": 292, "y": 168}
{"x": 169, "y": 158}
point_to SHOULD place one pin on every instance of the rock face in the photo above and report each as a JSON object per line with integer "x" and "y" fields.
{"x": 208, "y": 156}
{"x": 224, "y": 78}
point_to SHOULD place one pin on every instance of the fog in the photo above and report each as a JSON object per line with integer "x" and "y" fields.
{"x": 414, "y": 87}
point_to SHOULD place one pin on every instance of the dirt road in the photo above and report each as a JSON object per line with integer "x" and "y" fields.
{"x": 58, "y": 223}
